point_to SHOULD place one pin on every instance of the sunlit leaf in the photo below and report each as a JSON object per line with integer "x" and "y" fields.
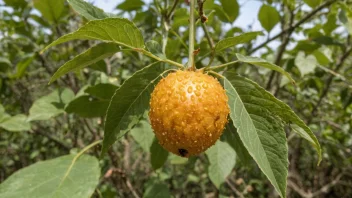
{"x": 261, "y": 133}
{"x": 143, "y": 134}
{"x": 222, "y": 159}
{"x": 51, "y": 10}
{"x": 313, "y": 3}
{"x": 268, "y": 17}
{"x": 231, "y": 9}
{"x": 87, "y": 10}
{"x": 60, "y": 177}
{"x": 50, "y": 105}
{"x": 305, "y": 64}
{"x": 130, "y": 5}
{"x": 259, "y": 97}
{"x": 15, "y": 123}
{"x": 116, "y": 30}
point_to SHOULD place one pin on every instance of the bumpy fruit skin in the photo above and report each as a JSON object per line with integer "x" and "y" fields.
{"x": 188, "y": 112}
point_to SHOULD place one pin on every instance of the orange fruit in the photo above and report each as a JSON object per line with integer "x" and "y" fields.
{"x": 188, "y": 112}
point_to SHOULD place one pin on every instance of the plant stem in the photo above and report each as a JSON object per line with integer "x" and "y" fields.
{"x": 88, "y": 147}
{"x": 165, "y": 30}
{"x": 222, "y": 66}
{"x": 191, "y": 36}
{"x": 299, "y": 23}
{"x": 216, "y": 74}
{"x": 77, "y": 156}
{"x": 159, "y": 59}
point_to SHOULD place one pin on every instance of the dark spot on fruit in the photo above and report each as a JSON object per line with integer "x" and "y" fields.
{"x": 182, "y": 152}
{"x": 217, "y": 118}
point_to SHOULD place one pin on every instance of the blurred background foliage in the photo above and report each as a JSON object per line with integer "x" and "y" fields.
{"x": 40, "y": 122}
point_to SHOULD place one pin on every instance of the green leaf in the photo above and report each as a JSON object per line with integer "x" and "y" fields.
{"x": 89, "y": 57}
{"x": 220, "y": 12}
{"x": 51, "y": 10}
{"x": 181, "y": 17}
{"x": 260, "y": 131}
{"x": 16, "y": 3}
{"x": 50, "y": 105}
{"x": 261, "y": 127}
{"x": 15, "y": 123}
{"x": 233, "y": 41}
{"x": 87, "y": 10}
{"x": 177, "y": 160}
{"x": 307, "y": 64}
{"x": 230, "y": 136}
{"x": 268, "y": 17}
{"x": 323, "y": 56}
{"x": 87, "y": 107}
{"x": 330, "y": 24}
{"x": 102, "y": 90}
{"x": 117, "y": 30}
{"x": 99, "y": 66}
{"x": 158, "y": 155}
{"x": 345, "y": 16}
{"x": 143, "y": 134}
{"x": 155, "y": 48}
{"x": 5, "y": 64}
{"x": 130, "y": 102}
{"x": 157, "y": 190}
{"x": 222, "y": 159}
{"x": 326, "y": 40}
{"x": 3, "y": 114}
{"x": 60, "y": 177}
{"x": 22, "y": 66}
{"x": 313, "y": 3}
{"x": 131, "y": 5}
{"x": 231, "y": 8}
{"x": 290, "y": 4}
{"x": 263, "y": 63}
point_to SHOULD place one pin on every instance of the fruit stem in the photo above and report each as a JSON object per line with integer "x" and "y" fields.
{"x": 191, "y": 36}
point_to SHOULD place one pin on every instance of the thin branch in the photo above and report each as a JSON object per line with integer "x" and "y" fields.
{"x": 282, "y": 49}
{"x": 326, "y": 187}
{"x": 233, "y": 188}
{"x": 297, "y": 189}
{"x": 299, "y": 23}
{"x": 129, "y": 185}
{"x": 145, "y": 52}
{"x": 202, "y": 16}
{"x": 191, "y": 36}
{"x": 221, "y": 66}
{"x": 172, "y": 11}
{"x": 209, "y": 38}
{"x": 329, "y": 81}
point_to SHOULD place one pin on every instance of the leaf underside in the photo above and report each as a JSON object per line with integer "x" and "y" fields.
{"x": 261, "y": 133}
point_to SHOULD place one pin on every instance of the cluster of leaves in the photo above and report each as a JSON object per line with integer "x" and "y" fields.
{"x": 106, "y": 79}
